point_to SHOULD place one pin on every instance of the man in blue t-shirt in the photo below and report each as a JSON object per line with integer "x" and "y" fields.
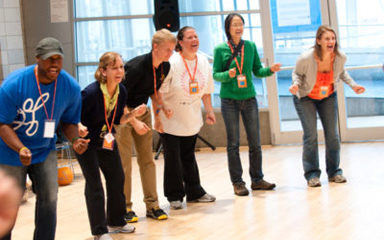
{"x": 34, "y": 100}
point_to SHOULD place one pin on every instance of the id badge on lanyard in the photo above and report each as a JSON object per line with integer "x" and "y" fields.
{"x": 241, "y": 81}
{"x": 193, "y": 88}
{"x": 108, "y": 141}
{"x": 324, "y": 90}
{"x": 49, "y": 128}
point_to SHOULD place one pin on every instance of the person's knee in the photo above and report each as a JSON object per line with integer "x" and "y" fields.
{"x": 233, "y": 146}
{"x": 48, "y": 199}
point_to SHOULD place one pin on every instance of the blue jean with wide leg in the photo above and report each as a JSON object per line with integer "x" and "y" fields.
{"x": 231, "y": 110}
{"x": 307, "y": 109}
{"x": 44, "y": 182}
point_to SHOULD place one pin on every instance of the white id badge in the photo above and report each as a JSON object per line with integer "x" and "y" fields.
{"x": 49, "y": 129}
{"x": 108, "y": 141}
{"x": 109, "y": 137}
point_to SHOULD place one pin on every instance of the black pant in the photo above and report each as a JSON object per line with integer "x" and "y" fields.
{"x": 6, "y": 237}
{"x": 181, "y": 173}
{"x": 110, "y": 164}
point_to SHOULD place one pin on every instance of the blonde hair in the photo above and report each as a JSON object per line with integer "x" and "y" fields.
{"x": 163, "y": 35}
{"x": 108, "y": 58}
{"x": 320, "y": 31}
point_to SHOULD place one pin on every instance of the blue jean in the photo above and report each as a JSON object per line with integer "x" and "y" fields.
{"x": 231, "y": 110}
{"x": 44, "y": 182}
{"x": 327, "y": 110}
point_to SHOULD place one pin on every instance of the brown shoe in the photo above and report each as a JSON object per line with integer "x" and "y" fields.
{"x": 240, "y": 189}
{"x": 262, "y": 185}
{"x": 338, "y": 179}
{"x": 314, "y": 182}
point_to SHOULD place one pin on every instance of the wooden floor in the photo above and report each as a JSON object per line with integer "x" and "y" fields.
{"x": 350, "y": 211}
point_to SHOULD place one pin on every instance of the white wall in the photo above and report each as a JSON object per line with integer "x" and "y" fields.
{"x": 11, "y": 38}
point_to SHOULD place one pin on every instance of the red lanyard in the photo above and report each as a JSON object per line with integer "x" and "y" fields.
{"x": 242, "y": 58}
{"x": 41, "y": 95}
{"x": 189, "y": 73}
{"x": 154, "y": 78}
{"x": 106, "y": 117}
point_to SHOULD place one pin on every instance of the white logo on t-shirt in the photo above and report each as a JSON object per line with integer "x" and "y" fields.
{"x": 31, "y": 108}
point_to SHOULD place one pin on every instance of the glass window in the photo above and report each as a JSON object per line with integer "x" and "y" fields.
{"x": 85, "y": 75}
{"x": 188, "y": 6}
{"x": 96, "y": 37}
{"x": 131, "y": 36}
{"x": 110, "y": 8}
{"x": 361, "y": 34}
{"x": 293, "y": 33}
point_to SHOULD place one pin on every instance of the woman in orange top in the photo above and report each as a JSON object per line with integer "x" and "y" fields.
{"x": 314, "y": 80}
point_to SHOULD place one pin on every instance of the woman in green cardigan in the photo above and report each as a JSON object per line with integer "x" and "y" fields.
{"x": 234, "y": 63}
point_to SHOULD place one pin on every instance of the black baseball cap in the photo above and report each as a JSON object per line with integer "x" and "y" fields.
{"x": 47, "y": 47}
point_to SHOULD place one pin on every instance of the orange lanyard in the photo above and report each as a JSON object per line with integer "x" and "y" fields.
{"x": 154, "y": 78}
{"x": 189, "y": 73}
{"x": 41, "y": 95}
{"x": 242, "y": 58}
{"x": 106, "y": 117}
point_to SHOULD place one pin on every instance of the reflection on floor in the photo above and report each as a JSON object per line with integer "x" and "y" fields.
{"x": 293, "y": 211}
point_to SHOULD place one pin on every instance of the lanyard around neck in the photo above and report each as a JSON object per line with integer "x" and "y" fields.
{"x": 41, "y": 95}
{"x": 109, "y": 126}
{"x": 154, "y": 78}
{"x": 189, "y": 72}
{"x": 242, "y": 58}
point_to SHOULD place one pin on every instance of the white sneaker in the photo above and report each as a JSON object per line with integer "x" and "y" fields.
{"x": 176, "y": 204}
{"x": 127, "y": 228}
{"x": 104, "y": 236}
{"x": 205, "y": 198}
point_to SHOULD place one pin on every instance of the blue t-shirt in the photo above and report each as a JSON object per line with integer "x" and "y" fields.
{"x": 22, "y": 107}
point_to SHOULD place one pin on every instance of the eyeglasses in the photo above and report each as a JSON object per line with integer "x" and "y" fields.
{"x": 237, "y": 25}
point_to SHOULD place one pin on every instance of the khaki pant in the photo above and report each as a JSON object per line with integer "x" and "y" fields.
{"x": 125, "y": 134}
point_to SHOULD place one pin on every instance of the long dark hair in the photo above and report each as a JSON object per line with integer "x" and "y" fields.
{"x": 180, "y": 36}
{"x": 227, "y": 23}
{"x": 320, "y": 31}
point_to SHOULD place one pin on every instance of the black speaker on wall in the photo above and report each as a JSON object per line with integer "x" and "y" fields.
{"x": 167, "y": 15}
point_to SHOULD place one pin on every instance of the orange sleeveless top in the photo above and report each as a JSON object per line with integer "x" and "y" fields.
{"x": 324, "y": 83}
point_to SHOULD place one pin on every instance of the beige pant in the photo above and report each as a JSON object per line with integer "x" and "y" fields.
{"x": 125, "y": 133}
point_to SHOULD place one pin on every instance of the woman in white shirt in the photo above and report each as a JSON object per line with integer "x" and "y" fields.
{"x": 189, "y": 81}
